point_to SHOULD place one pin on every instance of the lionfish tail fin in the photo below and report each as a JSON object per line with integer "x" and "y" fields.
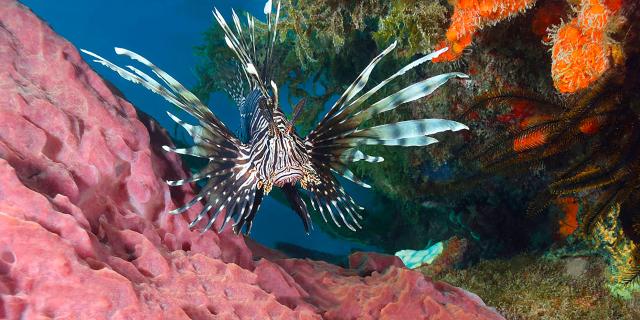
{"x": 335, "y": 142}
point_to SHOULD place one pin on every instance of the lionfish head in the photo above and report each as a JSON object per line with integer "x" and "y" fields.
{"x": 297, "y": 166}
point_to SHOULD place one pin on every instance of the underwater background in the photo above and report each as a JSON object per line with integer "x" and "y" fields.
{"x": 538, "y": 200}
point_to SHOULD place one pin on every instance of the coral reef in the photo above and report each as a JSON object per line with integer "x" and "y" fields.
{"x": 83, "y": 226}
{"x": 586, "y": 146}
{"x": 528, "y": 287}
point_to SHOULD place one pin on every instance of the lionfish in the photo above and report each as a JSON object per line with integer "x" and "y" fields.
{"x": 241, "y": 172}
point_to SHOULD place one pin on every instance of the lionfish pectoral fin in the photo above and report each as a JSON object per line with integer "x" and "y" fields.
{"x": 298, "y": 205}
{"x": 247, "y": 221}
{"x": 230, "y": 190}
{"x": 334, "y": 143}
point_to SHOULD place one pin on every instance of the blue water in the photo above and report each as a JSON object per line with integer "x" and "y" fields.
{"x": 166, "y": 32}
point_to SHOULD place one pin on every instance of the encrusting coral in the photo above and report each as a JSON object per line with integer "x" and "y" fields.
{"x": 623, "y": 253}
{"x": 581, "y": 48}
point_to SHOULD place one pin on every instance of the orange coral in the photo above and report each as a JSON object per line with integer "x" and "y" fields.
{"x": 569, "y": 223}
{"x": 581, "y": 52}
{"x": 471, "y": 15}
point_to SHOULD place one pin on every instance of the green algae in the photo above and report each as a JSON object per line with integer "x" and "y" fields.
{"x": 621, "y": 253}
{"x": 417, "y": 25}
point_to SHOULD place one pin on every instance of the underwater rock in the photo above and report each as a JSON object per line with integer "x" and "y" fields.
{"x": 397, "y": 293}
{"x": 368, "y": 262}
{"x": 84, "y": 229}
{"x": 576, "y": 266}
{"x": 452, "y": 254}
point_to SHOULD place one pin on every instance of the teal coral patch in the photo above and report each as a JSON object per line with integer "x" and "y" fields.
{"x": 415, "y": 258}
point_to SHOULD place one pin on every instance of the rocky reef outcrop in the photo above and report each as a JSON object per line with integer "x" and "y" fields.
{"x": 84, "y": 229}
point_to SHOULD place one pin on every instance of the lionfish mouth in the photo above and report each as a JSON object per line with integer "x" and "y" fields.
{"x": 289, "y": 178}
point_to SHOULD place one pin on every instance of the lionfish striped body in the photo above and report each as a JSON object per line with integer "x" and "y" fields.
{"x": 269, "y": 152}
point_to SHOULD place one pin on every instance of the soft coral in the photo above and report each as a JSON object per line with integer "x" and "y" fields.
{"x": 581, "y": 51}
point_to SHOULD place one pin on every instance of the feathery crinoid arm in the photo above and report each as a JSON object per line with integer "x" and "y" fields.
{"x": 231, "y": 182}
{"x": 334, "y": 143}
